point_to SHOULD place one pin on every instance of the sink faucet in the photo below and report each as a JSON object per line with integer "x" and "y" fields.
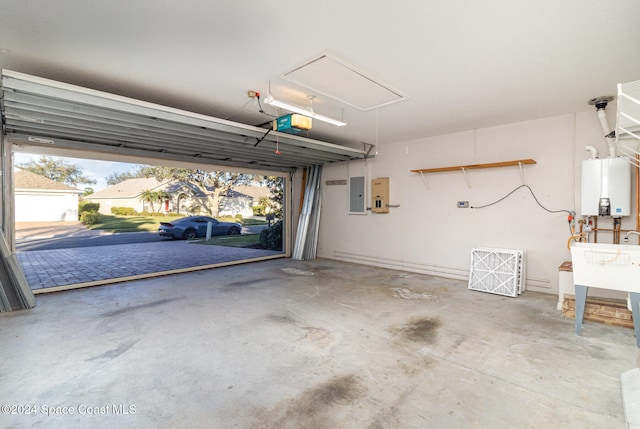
{"x": 626, "y": 236}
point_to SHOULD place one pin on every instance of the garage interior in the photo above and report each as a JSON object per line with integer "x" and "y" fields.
{"x": 317, "y": 344}
{"x": 468, "y": 127}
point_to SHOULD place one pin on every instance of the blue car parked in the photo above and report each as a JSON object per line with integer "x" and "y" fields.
{"x": 191, "y": 227}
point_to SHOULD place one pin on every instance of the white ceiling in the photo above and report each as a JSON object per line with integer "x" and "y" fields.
{"x": 462, "y": 64}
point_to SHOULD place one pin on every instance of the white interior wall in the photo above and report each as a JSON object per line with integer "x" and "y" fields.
{"x": 427, "y": 233}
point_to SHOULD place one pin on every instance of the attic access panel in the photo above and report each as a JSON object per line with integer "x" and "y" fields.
{"x": 44, "y": 112}
{"x": 335, "y": 78}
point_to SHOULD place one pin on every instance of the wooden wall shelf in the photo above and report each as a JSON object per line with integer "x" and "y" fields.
{"x": 476, "y": 166}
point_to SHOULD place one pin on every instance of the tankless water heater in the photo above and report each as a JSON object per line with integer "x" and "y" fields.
{"x": 606, "y": 187}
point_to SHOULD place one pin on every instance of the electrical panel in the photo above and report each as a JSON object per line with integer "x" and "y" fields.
{"x": 380, "y": 195}
{"x": 356, "y": 195}
{"x": 606, "y": 187}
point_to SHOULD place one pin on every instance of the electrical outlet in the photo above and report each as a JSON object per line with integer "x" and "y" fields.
{"x": 463, "y": 204}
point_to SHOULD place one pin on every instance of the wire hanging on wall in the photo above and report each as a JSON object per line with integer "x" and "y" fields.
{"x": 532, "y": 194}
{"x": 569, "y": 212}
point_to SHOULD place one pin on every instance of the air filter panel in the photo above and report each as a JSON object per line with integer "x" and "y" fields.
{"x": 497, "y": 271}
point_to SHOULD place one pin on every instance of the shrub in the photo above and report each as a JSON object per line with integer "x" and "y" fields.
{"x": 123, "y": 211}
{"x": 87, "y": 206}
{"x": 271, "y": 238}
{"x": 238, "y": 216}
{"x": 259, "y": 210}
{"x": 89, "y": 218}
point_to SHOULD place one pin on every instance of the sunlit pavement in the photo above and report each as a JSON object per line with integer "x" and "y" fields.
{"x": 61, "y": 267}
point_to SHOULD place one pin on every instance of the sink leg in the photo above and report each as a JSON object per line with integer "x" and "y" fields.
{"x": 635, "y": 300}
{"x": 581, "y": 300}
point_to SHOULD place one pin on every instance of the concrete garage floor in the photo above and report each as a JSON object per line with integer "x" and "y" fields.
{"x": 315, "y": 344}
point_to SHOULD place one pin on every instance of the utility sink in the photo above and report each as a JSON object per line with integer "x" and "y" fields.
{"x": 606, "y": 266}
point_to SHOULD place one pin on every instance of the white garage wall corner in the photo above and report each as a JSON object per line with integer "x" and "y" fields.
{"x": 427, "y": 233}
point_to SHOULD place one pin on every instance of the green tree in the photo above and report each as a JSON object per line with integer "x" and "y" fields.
{"x": 153, "y": 197}
{"x": 265, "y": 204}
{"x": 209, "y": 183}
{"x": 149, "y": 196}
{"x": 57, "y": 169}
{"x": 115, "y": 178}
{"x": 276, "y": 186}
{"x": 161, "y": 196}
{"x": 87, "y": 191}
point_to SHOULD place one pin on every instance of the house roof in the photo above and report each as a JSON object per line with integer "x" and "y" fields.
{"x": 255, "y": 192}
{"x": 195, "y": 191}
{"x": 26, "y": 180}
{"x": 133, "y": 188}
{"x": 130, "y": 188}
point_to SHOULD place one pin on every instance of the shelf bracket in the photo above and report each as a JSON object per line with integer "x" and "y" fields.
{"x": 466, "y": 177}
{"x": 523, "y": 174}
{"x": 424, "y": 180}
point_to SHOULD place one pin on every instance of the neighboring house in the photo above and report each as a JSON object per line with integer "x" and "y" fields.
{"x": 186, "y": 198}
{"x": 40, "y": 199}
{"x": 183, "y": 197}
{"x": 125, "y": 194}
{"x": 241, "y": 200}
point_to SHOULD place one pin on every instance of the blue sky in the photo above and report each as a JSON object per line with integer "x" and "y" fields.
{"x": 94, "y": 169}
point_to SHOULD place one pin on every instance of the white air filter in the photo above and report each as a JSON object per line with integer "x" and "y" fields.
{"x": 498, "y": 271}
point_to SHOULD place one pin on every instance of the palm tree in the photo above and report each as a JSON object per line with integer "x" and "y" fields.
{"x": 265, "y": 202}
{"x": 148, "y": 196}
{"x": 161, "y": 196}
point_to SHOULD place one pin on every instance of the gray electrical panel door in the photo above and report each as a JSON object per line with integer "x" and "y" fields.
{"x": 356, "y": 194}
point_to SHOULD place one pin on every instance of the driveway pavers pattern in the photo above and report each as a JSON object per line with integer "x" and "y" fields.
{"x": 61, "y": 267}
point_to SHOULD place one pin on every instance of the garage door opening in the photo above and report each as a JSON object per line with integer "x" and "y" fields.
{"x": 58, "y": 116}
{"x": 113, "y": 221}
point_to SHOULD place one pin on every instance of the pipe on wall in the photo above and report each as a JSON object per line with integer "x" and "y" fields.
{"x": 592, "y": 150}
{"x": 611, "y": 142}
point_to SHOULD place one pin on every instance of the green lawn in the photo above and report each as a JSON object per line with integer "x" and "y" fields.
{"x": 243, "y": 240}
{"x": 245, "y": 222}
{"x": 113, "y": 223}
{"x": 130, "y": 223}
